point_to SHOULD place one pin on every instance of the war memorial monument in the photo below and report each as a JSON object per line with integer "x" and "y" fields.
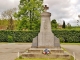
{"x": 46, "y": 41}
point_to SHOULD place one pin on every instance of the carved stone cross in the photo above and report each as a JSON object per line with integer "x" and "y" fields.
{"x": 46, "y": 8}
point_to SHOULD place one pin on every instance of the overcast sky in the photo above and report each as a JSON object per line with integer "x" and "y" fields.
{"x": 67, "y": 10}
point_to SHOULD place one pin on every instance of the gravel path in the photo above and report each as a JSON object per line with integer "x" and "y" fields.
{"x": 10, "y": 51}
{"x": 73, "y": 48}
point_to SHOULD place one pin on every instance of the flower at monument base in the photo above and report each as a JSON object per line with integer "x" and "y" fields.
{"x": 46, "y": 51}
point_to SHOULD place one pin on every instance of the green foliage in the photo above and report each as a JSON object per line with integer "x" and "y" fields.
{"x": 54, "y": 24}
{"x": 20, "y": 57}
{"x": 69, "y": 26}
{"x": 29, "y": 14}
{"x": 65, "y": 36}
{"x": 72, "y": 58}
{"x": 17, "y": 36}
{"x": 4, "y": 24}
{"x": 10, "y": 24}
{"x": 68, "y": 36}
{"x": 10, "y": 39}
{"x": 63, "y": 26}
{"x": 22, "y": 24}
{"x": 8, "y": 14}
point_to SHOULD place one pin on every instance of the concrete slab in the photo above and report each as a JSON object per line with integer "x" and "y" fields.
{"x": 9, "y": 51}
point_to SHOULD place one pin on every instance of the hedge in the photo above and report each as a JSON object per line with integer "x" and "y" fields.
{"x": 68, "y": 36}
{"x": 71, "y": 36}
{"x": 17, "y": 36}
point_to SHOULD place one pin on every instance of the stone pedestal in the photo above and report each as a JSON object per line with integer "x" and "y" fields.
{"x": 37, "y": 53}
{"x": 45, "y": 38}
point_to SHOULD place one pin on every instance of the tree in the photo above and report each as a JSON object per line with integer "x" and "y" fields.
{"x": 8, "y": 14}
{"x": 77, "y": 22}
{"x": 29, "y": 12}
{"x": 63, "y": 26}
{"x": 54, "y": 24}
{"x": 68, "y": 25}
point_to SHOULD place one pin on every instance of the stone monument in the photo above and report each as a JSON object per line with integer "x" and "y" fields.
{"x": 45, "y": 38}
{"x": 45, "y": 41}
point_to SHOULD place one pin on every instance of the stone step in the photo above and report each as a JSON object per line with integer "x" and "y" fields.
{"x": 37, "y": 55}
{"x": 40, "y": 50}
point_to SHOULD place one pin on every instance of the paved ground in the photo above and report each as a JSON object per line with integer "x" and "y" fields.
{"x": 73, "y": 48}
{"x": 10, "y": 51}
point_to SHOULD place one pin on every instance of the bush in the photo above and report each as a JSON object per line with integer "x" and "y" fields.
{"x": 10, "y": 39}
{"x": 20, "y": 57}
{"x": 67, "y": 36}
{"x": 17, "y": 36}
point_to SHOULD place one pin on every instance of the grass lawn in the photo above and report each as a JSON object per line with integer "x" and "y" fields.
{"x": 3, "y": 42}
{"x": 44, "y": 59}
{"x": 70, "y": 43}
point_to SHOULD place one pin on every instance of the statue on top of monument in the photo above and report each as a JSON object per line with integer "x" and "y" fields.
{"x": 46, "y": 8}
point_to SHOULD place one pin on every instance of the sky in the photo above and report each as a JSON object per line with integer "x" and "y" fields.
{"x": 67, "y": 10}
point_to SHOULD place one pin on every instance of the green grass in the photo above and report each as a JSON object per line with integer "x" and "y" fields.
{"x": 72, "y": 28}
{"x": 20, "y": 58}
{"x": 43, "y": 59}
{"x": 70, "y": 43}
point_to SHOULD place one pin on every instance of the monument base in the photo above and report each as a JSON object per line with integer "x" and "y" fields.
{"x": 38, "y": 53}
{"x": 45, "y": 40}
